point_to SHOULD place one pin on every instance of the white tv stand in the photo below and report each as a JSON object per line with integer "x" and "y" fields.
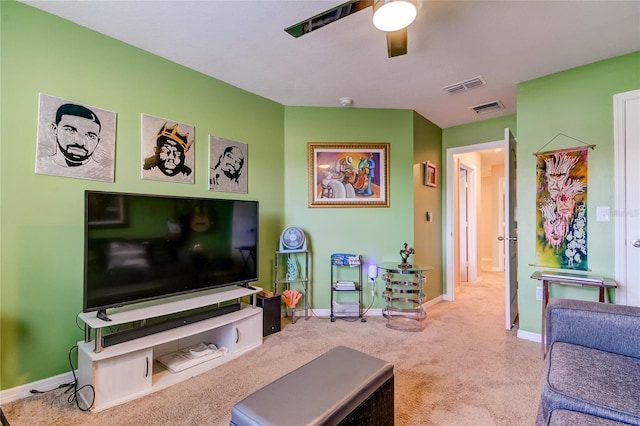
{"x": 128, "y": 370}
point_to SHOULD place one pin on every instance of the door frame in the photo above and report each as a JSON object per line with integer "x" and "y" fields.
{"x": 470, "y": 236}
{"x": 452, "y": 171}
{"x": 620, "y": 172}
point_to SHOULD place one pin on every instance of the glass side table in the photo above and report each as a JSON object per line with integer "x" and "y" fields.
{"x": 404, "y": 295}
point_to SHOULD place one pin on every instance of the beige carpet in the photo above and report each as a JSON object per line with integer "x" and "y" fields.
{"x": 463, "y": 369}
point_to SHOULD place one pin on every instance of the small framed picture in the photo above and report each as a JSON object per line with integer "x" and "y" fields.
{"x": 430, "y": 174}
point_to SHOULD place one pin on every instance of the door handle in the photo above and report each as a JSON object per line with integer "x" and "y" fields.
{"x": 636, "y": 243}
{"x": 501, "y": 238}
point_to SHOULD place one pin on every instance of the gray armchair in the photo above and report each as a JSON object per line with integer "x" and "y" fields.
{"x": 592, "y": 369}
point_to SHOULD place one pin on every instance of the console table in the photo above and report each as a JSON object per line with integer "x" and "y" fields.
{"x": 404, "y": 295}
{"x": 565, "y": 278}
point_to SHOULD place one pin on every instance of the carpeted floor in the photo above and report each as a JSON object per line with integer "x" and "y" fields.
{"x": 463, "y": 369}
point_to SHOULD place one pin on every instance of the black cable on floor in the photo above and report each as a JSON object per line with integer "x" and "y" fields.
{"x": 73, "y": 397}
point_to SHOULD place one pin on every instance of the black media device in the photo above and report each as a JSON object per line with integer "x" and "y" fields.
{"x": 145, "y": 247}
{"x": 270, "y": 314}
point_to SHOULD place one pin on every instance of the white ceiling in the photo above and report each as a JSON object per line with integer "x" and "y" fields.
{"x": 244, "y": 44}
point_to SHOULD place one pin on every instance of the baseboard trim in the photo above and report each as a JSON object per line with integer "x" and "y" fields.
{"x": 373, "y": 312}
{"x": 326, "y": 313}
{"x": 24, "y": 391}
{"x": 433, "y": 301}
{"x": 527, "y": 335}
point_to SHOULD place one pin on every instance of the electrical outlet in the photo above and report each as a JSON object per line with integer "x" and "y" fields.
{"x": 538, "y": 293}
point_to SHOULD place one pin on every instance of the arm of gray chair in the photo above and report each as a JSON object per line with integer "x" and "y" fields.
{"x": 607, "y": 327}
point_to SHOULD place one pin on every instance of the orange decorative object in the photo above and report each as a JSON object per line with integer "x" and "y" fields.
{"x": 291, "y": 297}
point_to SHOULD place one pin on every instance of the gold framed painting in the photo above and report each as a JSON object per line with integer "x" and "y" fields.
{"x": 348, "y": 174}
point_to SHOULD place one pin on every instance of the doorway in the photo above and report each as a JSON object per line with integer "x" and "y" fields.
{"x": 477, "y": 217}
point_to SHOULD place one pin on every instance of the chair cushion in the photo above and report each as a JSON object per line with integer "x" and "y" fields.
{"x": 591, "y": 381}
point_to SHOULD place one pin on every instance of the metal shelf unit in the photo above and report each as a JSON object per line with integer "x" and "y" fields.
{"x": 299, "y": 282}
{"x": 342, "y": 266}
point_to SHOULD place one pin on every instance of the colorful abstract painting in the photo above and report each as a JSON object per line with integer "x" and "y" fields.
{"x": 561, "y": 214}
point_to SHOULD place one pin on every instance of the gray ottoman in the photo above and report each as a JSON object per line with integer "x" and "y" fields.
{"x": 342, "y": 386}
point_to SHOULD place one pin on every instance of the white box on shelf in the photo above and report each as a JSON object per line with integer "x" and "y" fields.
{"x": 346, "y": 308}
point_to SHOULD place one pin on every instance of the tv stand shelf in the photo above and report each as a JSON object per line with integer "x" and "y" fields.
{"x": 144, "y": 311}
{"x": 128, "y": 370}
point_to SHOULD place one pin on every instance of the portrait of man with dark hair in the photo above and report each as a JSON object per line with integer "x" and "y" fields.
{"x": 75, "y": 140}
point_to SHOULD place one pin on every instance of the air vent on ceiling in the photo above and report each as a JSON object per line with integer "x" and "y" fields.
{"x": 488, "y": 107}
{"x": 465, "y": 85}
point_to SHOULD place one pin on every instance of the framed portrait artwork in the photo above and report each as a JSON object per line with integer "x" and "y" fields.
{"x": 227, "y": 165}
{"x": 430, "y": 174}
{"x": 348, "y": 174}
{"x": 75, "y": 140}
{"x": 167, "y": 150}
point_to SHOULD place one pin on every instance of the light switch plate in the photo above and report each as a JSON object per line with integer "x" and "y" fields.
{"x": 603, "y": 214}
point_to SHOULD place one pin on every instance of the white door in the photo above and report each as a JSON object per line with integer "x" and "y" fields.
{"x": 510, "y": 237}
{"x": 627, "y": 153}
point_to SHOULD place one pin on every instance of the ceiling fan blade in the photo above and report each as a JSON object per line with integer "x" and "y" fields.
{"x": 397, "y": 43}
{"x": 327, "y": 17}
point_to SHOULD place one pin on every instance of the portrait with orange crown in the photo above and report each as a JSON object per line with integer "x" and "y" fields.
{"x": 167, "y": 150}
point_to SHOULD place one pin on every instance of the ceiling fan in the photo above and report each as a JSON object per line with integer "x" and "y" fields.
{"x": 391, "y": 16}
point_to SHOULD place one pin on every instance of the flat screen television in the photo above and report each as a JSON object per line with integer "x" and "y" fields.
{"x": 144, "y": 247}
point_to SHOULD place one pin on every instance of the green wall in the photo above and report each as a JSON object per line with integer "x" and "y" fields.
{"x": 41, "y": 217}
{"x": 376, "y": 233}
{"x": 474, "y": 133}
{"x": 428, "y": 240}
{"x": 577, "y": 103}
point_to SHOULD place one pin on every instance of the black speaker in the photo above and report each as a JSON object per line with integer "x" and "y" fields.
{"x": 270, "y": 314}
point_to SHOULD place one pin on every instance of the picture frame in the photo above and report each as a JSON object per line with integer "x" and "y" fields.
{"x": 167, "y": 150}
{"x": 348, "y": 174}
{"x": 108, "y": 211}
{"x": 60, "y": 122}
{"x": 430, "y": 174}
{"x": 227, "y": 165}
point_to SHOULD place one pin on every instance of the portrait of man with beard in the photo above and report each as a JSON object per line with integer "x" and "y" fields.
{"x": 72, "y": 142}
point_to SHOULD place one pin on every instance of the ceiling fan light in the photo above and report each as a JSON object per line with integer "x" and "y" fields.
{"x": 393, "y": 15}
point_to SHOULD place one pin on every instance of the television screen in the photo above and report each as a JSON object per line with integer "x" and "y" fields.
{"x": 143, "y": 247}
